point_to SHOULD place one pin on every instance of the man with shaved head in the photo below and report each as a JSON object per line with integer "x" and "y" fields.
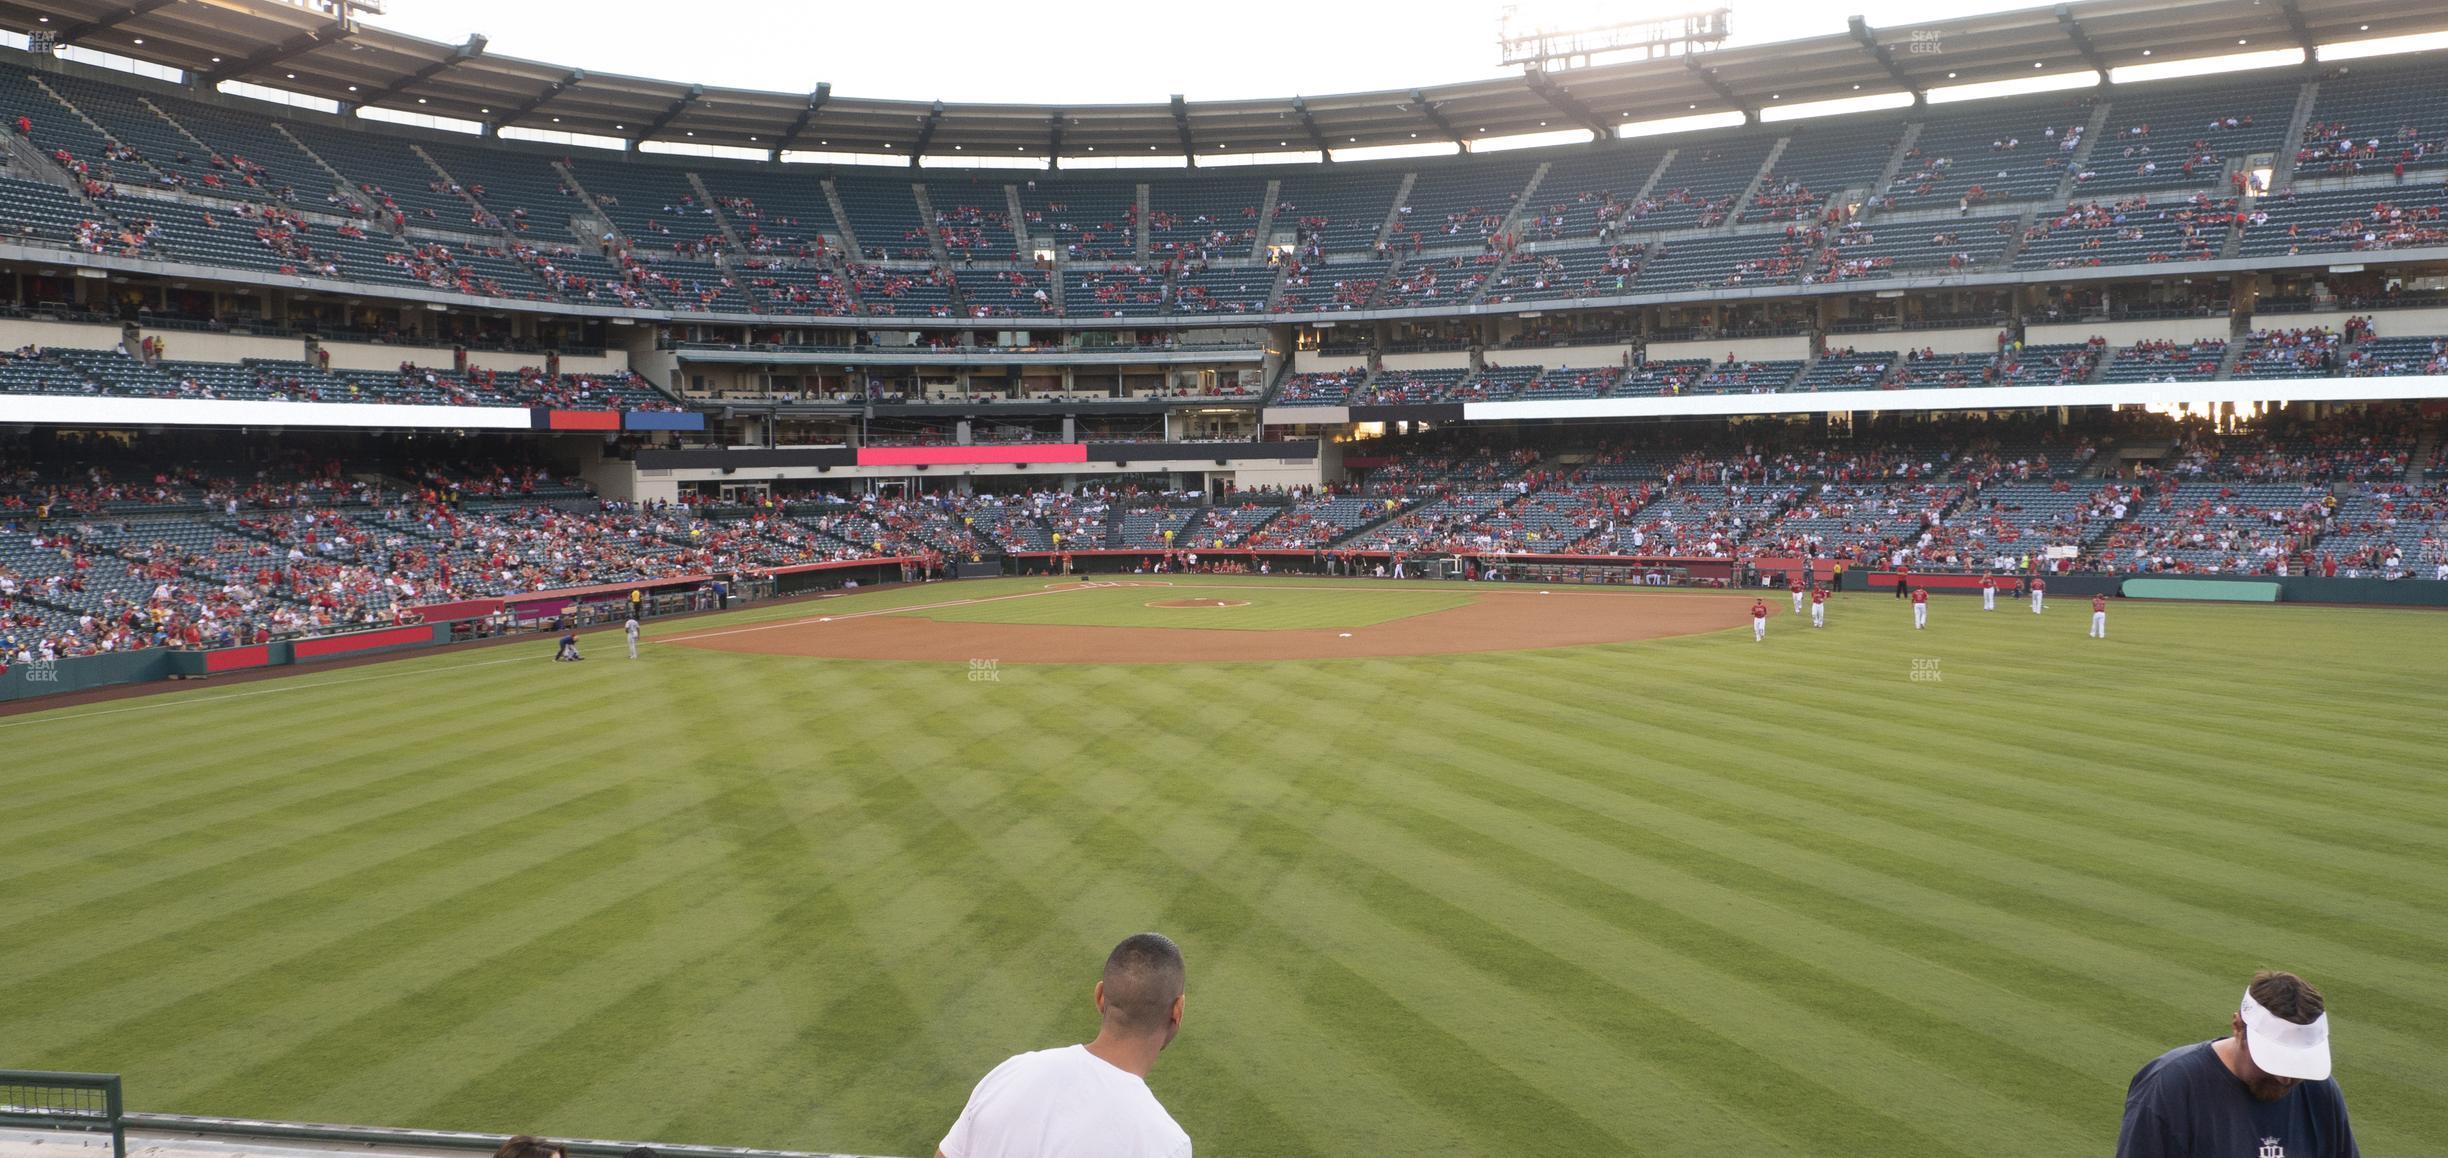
{"x": 1088, "y": 1101}
{"x": 2264, "y": 1091}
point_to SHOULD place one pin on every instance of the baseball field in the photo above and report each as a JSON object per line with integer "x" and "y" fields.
{"x": 1457, "y": 870}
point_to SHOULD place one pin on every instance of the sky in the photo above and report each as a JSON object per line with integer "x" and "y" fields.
{"x": 1091, "y": 52}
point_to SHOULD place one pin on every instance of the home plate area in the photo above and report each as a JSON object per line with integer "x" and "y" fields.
{"x": 1192, "y": 622}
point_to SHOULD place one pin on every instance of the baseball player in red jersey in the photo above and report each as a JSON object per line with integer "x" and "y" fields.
{"x": 1759, "y": 620}
{"x": 2039, "y": 590}
{"x": 1818, "y": 607}
{"x": 1795, "y": 585}
{"x": 1988, "y": 592}
{"x": 2099, "y": 617}
{"x": 1920, "y": 598}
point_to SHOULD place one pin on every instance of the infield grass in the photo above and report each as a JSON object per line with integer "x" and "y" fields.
{"x": 1685, "y": 896}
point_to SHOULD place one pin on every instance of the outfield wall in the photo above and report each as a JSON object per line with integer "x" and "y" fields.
{"x": 93, "y": 672}
{"x": 2083, "y": 585}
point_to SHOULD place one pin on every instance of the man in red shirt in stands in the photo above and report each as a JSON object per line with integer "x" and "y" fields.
{"x": 1818, "y": 607}
{"x": 1920, "y": 600}
{"x": 2099, "y": 617}
{"x": 1759, "y": 620}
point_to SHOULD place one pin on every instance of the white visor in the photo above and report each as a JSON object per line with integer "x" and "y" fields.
{"x": 2284, "y": 1048}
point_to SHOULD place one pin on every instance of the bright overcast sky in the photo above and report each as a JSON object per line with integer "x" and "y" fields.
{"x": 1101, "y": 52}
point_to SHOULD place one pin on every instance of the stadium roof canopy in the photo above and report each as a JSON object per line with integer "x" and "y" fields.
{"x": 300, "y": 46}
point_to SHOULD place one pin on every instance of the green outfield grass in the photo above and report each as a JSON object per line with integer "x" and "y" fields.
{"x": 1865, "y": 891}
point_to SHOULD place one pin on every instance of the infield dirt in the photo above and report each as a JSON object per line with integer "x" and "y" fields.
{"x": 1506, "y": 619}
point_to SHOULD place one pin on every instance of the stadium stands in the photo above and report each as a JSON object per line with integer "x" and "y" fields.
{"x": 2186, "y": 135}
{"x": 1087, "y": 219}
{"x": 215, "y": 552}
{"x": 1642, "y": 216}
{"x": 2381, "y": 116}
{"x": 1989, "y": 152}
{"x": 1337, "y": 214}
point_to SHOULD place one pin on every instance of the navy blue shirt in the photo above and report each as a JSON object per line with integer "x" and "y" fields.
{"x": 2187, "y": 1104}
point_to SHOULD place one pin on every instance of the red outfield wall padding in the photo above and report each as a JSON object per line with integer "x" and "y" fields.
{"x": 463, "y": 609}
{"x": 234, "y": 658}
{"x": 965, "y": 455}
{"x": 361, "y": 641}
{"x": 582, "y": 420}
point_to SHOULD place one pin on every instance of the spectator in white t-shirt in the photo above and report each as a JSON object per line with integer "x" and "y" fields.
{"x": 1088, "y": 1101}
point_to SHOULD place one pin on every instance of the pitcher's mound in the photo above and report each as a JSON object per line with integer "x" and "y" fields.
{"x": 1199, "y": 603}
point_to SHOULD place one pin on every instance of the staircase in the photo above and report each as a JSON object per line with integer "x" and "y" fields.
{"x": 1385, "y": 279}
{"x": 1656, "y": 175}
{"x": 586, "y": 199}
{"x": 1022, "y": 249}
{"x": 2014, "y": 245}
{"x": 1402, "y": 197}
{"x": 933, "y": 226}
{"x": 1758, "y": 179}
{"x": 340, "y": 181}
{"x": 1505, "y": 228}
{"x": 841, "y": 220}
{"x": 1266, "y": 220}
{"x": 454, "y": 184}
{"x": 2282, "y": 172}
{"x": 1283, "y": 277}
{"x": 25, "y": 159}
{"x": 181, "y": 130}
{"x": 2082, "y": 152}
{"x": 1895, "y": 161}
{"x": 2099, "y": 369}
{"x": 1361, "y": 531}
{"x": 2234, "y": 242}
{"x": 722, "y": 220}
{"x": 90, "y": 123}
{"x": 2235, "y": 353}
{"x": 1494, "y": 276}
{"x": 1139, "y": 230}
{"x": 2424, "y": 448}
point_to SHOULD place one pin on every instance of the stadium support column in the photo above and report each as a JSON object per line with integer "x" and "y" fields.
{"x": 1070, "y": 428}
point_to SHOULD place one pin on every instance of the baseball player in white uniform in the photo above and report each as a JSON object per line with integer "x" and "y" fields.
{"x": 2039, "y": 588}
{"x": 1818, "y": 598}
{"x": 631, "y": 628}
{"x": 1988, "y": 592}
{"x": 1759, "y": 621}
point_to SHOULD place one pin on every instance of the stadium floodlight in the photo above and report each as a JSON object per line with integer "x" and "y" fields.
{"x": 1544, "y": 50}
